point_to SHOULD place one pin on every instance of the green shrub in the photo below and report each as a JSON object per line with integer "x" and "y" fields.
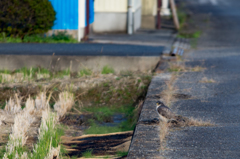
{"x": 26, "y": 17}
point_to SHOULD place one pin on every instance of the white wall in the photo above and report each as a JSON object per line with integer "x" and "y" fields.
{"x": 110, "y": 5}
{"x": 111, "y": 15}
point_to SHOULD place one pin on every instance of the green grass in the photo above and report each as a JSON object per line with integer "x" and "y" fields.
{"x": 2, "y": 105}
{"x": 122, "y": 153}
{"x": 127, "y": 125}
{"x": 50, "y": 137}
{"x": 107, "y": 70}
{"x": 182, "y": 17}
{"x": 88, "y": 154}
{"x": 105, "y": 112}
{"x": 85, "y": 72}
{"x": 2, "y": 151}
{"x": 60, "y": 37}
{"x": 95, "y": 129}
{"x": 194, "y": 35}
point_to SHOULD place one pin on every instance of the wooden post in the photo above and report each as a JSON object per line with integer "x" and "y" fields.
{"x": 174, "y": 13}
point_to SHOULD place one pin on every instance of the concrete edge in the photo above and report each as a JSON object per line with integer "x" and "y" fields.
{"x": 146, "y": 140}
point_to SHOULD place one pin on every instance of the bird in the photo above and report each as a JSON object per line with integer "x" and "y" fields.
{"x": 164, "y": 112}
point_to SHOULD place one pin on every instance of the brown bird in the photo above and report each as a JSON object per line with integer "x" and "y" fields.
{"x": 164, "y": 112}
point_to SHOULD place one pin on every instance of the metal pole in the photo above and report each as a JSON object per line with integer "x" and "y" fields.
{"x": 87, "y": 18}
{"x": 158, "y": 14}
{"x": 130, "y": 18}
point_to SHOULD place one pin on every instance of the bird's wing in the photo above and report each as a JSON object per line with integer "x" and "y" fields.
{"x": 166, "y": 112}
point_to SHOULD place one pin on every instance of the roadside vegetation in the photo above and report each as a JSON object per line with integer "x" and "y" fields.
{"x": 64, "y": 101}
{"x": 60, "y": 37}
{"x": 188, "y": 28}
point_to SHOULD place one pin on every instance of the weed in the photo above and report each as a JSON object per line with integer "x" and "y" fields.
{"x": 174, "y": 67}
{"x": 2, "y": 151}
{"x": 49, "y": 136}
{"x": 107, "y": 70}
{"x": 167, "y": 95}
{"x": 182, "y": 16}
{"x": 60, "y": 37}
{"x": 122, "y": 153}
{"x": 85, "y": 72}
{"x": 206, "y": 80}
{"x": 198, "y": 122}
{"x": 163, "y": 130}
{"x": 193, "y": 35}
{"x": 197, "y": 69}
{"x": 64, "y": 104}
{"x": 88, "y": 154}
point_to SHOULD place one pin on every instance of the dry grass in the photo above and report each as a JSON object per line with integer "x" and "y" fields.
{"x": 164, "y": 126}
{"x": 64, "y": 104}
{"x": 198, "y": 122}
{"x": 177, "y": 67}
{"x": 197, "y": 69}
{"x": 2, "y": 118}
{"x": 18, "y": 137}
{"x": 53, "y": 153}
{"x": 41, "y": 101}
{"x": 206, "y": 80}
{"x": 181, "y": 67}
{"x": 167, "y": 95}
{"x": 14, "y": 105}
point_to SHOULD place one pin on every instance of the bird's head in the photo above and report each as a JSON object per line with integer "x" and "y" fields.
{"x": 158, "y": 103}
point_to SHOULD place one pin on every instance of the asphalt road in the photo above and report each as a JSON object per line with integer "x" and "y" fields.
{"x": 82, "y": 49}
{"x": 218, "y": 51}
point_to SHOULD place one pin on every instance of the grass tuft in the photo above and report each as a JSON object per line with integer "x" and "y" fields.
{"x": 206, "y": 80}
{"x": 167, "y": 95}
{"x": 64, "y": 104}
{"x": 107, "y": 70}
{"x": 198, "y": 122}
{"x": 122, "y": 153}
{"x": 88, "y": 154}
{"x": 85, "y": 72}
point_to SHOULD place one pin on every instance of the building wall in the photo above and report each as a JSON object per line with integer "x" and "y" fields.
{"x": 149, "y": 12}
{"x": 149, "y": 7}
{"x": 110, "y": 22}
{"x": 111, "y": 15}
{"x": 137, "y": 18}
{"x": 67, "y": 14}
{"x": 119, "y": 6}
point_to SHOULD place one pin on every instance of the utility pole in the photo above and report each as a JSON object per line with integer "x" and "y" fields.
{"x": 130, "y": 18}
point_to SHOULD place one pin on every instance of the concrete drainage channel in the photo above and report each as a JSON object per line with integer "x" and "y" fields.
{"x": 146, "y": 139}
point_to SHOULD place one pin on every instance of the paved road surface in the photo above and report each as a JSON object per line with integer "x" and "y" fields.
{"x": 218, "y": 51}
{"x": 82, "y": 49}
